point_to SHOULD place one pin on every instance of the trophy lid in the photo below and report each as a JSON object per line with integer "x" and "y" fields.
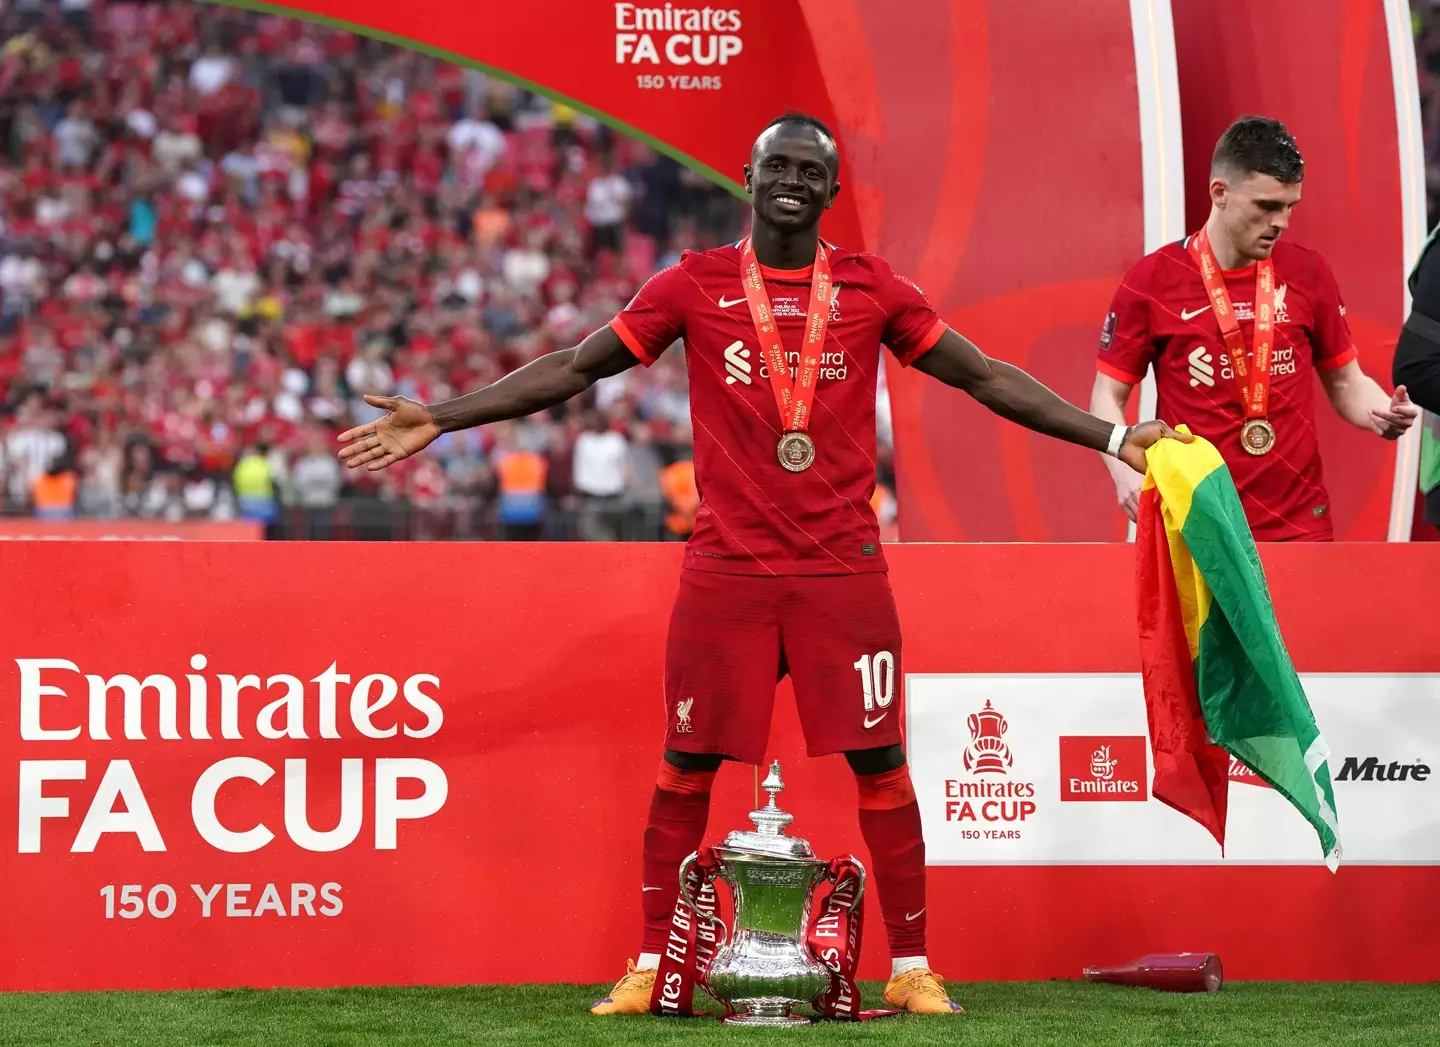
{"x": 768, "y": 837}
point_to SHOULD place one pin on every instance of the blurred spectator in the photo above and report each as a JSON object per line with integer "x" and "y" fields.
{"x": 75, "y": 137}
{"x": 607, "y": 201}
{"x": 316, "y": 481}
{"x": 601, "y": 460}
{"x": 53, "y": 492}
{"x": 677, "y": 480}
{"x": 642, "y": 486}
{"x": 31, "y": 449}
{"x": 101, "y": 466}
{"x": 212, "y": 71}
{"x": 254, "y": 481}
{"x": 521, "y": 474}
{"x": 1427, "y": 61}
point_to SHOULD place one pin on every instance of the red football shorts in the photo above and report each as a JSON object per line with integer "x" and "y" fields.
{"x": 734, "y": 637}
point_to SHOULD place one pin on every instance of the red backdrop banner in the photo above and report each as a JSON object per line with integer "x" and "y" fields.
{"x": 471, "y": 727}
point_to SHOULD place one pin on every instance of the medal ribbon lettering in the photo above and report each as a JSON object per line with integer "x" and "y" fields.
{"x": 795, "y": 397}
{"x": 834, "y": 938}
{"x": 1254, "y": 394}
{"x": 691, "y": 945}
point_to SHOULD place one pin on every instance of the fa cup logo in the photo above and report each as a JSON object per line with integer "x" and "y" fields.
{"x": 987, "y": 752}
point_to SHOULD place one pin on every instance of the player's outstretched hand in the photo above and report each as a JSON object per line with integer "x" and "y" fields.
{"x": 408, "y": 429}
{"x": 1132, "y": 451}
{"x": 1392, "y": 423}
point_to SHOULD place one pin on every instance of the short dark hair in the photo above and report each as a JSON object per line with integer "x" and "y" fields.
{"x": 1259, "y": 145}
{"x": 795, "y": 116}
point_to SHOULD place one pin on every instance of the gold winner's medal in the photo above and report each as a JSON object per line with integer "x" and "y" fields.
{"x": 794, "y": 397}
{"x": 1257, "y": 436}
{"x": 796, "y": 451}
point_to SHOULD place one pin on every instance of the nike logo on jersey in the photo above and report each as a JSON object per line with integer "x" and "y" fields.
{"x": 737, "y": 363}
{"x": 869, "y": 723}
{"x": 726, "y": 303}
{"x": 1190, "y": 314}
{"x": 909, "y": 917}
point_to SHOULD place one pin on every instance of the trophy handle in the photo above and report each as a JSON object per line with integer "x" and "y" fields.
{"x": 723, "y": 934}
{"x": 684, "y": 875}
{"x": 860, "y": 887}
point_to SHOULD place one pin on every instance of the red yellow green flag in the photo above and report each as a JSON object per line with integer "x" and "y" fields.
{"x": 1218, "y": 679}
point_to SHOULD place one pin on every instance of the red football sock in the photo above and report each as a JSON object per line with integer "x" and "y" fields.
{"x": 678, "y": 813}
{"x": 890, "y": 823}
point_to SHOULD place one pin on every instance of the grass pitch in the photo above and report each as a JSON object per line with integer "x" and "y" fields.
{"x": 1042, "y": 1014}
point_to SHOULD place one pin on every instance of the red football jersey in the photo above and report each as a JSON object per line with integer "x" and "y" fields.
{"x": 755, "y": 516}
{"x": 1161, "y": 316}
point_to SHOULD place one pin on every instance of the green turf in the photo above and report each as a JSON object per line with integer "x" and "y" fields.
{"x": 1062, "y": 1014}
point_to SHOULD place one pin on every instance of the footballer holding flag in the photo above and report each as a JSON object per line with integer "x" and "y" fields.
{"x": 784, "y": 572}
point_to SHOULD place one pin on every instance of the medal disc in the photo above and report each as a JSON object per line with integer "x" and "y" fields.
{"x": 796, "y": 451}
{"x": 1257, "y": 436}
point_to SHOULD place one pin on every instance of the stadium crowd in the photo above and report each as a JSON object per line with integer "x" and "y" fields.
{"x": 1425, "y": 18}
{"x": 219, "y": 229}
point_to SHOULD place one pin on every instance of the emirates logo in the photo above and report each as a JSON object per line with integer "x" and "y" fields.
{"x": 1102, "y": 764}
{"x": 987, "y": 752}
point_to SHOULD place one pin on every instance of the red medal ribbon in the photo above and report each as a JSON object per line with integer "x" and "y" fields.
{"x": 691, "y": 945}
{"x": 1254, "y": 394}
{"x": 795, "y": 397}
{"x": 834, "y": 938}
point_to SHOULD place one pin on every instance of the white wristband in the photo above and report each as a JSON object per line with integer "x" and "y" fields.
{"x": 1117, "y": 437}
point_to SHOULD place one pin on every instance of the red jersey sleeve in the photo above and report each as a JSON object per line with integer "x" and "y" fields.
{"x": 1330, "y": 339}
{"x": 654, "y": 319}
{"x": 912, "y": 327}
{"x": 1126, "y": 348}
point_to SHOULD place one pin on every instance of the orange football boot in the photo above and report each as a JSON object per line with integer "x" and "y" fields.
{"x": 631, "y": 994}
{"x": 920, "y": 991}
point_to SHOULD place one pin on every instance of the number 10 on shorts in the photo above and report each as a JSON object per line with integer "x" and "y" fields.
{"x": 877, "y": 677}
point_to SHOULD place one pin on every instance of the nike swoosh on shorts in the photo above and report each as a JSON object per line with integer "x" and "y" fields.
{"x": 869, "y": 723}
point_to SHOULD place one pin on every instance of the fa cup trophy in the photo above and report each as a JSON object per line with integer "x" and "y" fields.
{"x": 768, "y": 965}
